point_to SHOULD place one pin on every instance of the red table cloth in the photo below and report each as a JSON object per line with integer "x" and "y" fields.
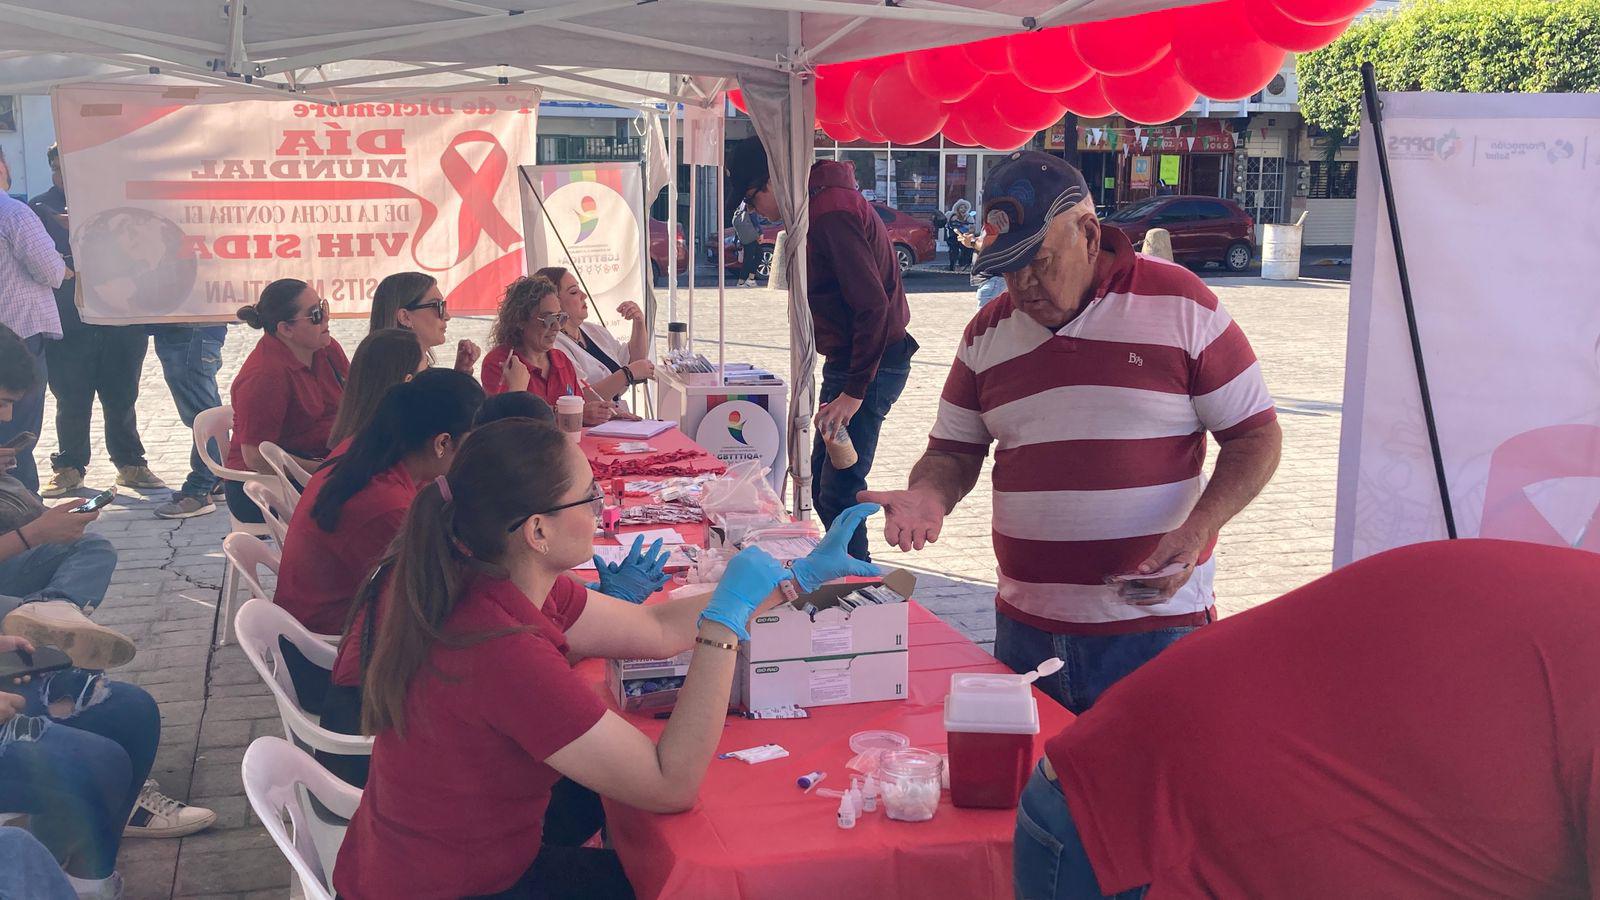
{"x": 754, "y": 834}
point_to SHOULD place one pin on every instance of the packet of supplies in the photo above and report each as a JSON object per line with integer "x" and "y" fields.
{"x": 753, "y": 755}
{"x": 741, "y": 501}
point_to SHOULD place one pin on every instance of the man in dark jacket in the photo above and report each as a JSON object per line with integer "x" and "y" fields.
{"x": 88, "y": 360}
{"x": 858, "y": 308}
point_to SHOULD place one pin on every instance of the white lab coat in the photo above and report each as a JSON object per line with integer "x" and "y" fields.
{"x": 590, "y": 369}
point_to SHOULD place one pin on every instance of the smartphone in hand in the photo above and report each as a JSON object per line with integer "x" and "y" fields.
{"x": 15, "y": 665}
{"x": 22, "y": 441}
{"x": 97, "y": 502}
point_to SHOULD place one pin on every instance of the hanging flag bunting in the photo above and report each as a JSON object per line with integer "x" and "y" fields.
{"x": 1138, "y": 132}
{"x": 1143, "y": 143}
{"x": 1191, "y": 144}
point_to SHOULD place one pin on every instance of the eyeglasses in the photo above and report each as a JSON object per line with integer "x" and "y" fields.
{"x": 596, "y": 500}
{"x": 552, "y": 320}
{"x": 436, "y": 305}
{"x": 316, "y": 315}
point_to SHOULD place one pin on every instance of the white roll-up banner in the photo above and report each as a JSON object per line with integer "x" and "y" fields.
{"x": 589, "y": 217}
{"x": 1498, "y": 198}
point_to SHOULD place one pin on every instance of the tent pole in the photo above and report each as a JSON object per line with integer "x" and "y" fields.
{"x": 722, "y": 270}
{"x": 672, "y": 209}
{"x": 802, "y": 346}
{"x": 1374, "y": 108}
{"x": 694, "y": 203}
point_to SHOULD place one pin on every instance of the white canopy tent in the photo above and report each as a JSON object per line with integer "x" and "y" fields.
{"x": 613, "y": 51}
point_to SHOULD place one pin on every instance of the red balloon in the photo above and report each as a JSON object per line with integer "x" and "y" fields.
{"x": 991, "y": 56}
{"x": 1321, "y": 12}
{"x": 1123, "y": 46}
{"x": 1220, "y": 56}
{"x": 1047, "y": 61}
{"x": 831, "y": 84}
{"x": 858, "y": 103}
{"x": 998, "y": 135}
{"x": 1152, "y": 97}
{"x": 1024, "y": 108}
{"x": 736, "y": 97}
{"x": 955, "y": 130}
{"x": 1088, "y": 100}
{"x": 840, "y": 131}
{"x": 904, "y": 114}
{"x": 944, "y": 73}
{"x": 1281, "y": 31}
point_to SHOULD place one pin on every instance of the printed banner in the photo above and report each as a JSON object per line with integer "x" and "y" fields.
{"x": 589, "y": 217}
{"x": 187, "y": 201}
{"x": 1499, "y": 205}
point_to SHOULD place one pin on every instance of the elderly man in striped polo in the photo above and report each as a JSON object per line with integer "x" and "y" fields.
{"x": 1096, "y": 375}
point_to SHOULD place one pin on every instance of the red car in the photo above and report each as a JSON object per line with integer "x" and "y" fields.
{"x": 1204, "y": 229}
{"x": 658, "y": 249}
{"x": 912, "y": 238}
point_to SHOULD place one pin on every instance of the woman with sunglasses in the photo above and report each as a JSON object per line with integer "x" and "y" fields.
{"x": 288, "y": 389}
{"x": 413, "y": 301}
{"x": 523, "y": 354}
{"x": 609, "y": 366}
{"x": 472, "y": 699}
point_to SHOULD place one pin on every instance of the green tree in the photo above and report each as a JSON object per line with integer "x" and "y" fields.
{"x": 1477, "y": 46}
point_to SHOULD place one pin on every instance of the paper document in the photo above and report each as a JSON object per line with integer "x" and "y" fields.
{"x": 640, "y": 430}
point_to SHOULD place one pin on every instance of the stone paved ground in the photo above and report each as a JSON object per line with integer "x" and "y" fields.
{"x": 165, "y": 591}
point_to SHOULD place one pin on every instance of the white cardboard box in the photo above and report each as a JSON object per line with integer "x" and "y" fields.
{"x": 788, "y": 632}
{"x": 647, "y": 684}
{"x": 823, "y": 682}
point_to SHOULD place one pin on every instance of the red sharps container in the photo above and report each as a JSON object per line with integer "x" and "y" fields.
{"x": 991, "y": 721}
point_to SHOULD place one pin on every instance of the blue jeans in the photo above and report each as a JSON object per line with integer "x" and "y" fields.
{"x": 30, "y": 870}
{"x": 1047, "y": 855}
{"x": 191, "y": 356}
{"x": 79, "y": 572}
{"x": 77, "y": 776}
{"x": 28, "y": 415}
{"x": 834, "y": 490}
{"x": 1092, "y": 662}
{"x": 989, "y": 290}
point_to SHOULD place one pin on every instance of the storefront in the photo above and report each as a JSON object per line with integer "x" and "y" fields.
{"x": 918, "y": 180}
{"x": 1125, "y": 163}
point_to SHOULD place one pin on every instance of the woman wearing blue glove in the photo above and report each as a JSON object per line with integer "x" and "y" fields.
{"x": 472, "y": 699}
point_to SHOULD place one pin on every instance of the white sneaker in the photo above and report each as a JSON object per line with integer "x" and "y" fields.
{"x": 100, "y": 889}
{"x": 61, "y": 624}
{"x": 155, "y": 815}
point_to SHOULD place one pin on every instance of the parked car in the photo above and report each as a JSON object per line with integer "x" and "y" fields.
{"x": 912, "y": 237}
{"x": 658, "y": 249}
{"x": 1203, "y": 229}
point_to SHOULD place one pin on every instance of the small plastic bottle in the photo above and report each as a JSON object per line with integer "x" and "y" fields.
{"x": 869, "y": 794}
{"x": 847, "y": 811}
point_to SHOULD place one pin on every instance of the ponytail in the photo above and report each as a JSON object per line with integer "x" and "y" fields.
{"x": 504, "y": 471}
{"x": 278, "y": 304}
{"x": 410, "y": 415}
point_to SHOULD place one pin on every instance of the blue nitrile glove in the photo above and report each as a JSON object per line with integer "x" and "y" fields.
{"x": 638, "y": 575}
{"x": 751, "y": 577}
{"x": 832, "y": 558}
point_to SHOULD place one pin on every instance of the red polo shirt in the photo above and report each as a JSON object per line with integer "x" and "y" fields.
{"x": 322, "y": 570}
{"x": 562, "y": 380}
{"x": 277, "y": 399}
{"x": 456, "y": 806}
{"x": 1422, "y": 723}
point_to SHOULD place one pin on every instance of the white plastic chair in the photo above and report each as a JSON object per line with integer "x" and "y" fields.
{"x": 278, "y": 776}
{"x": 291, "y": 475}
{"x": 246, "y": 555}
{"x": 258, "y": 627}
{"x": 216, "y": 424}
{"x": 274, "y": 507}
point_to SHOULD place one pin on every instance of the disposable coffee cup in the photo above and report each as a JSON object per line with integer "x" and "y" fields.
{"x": 841, "y": 450}
{"x": 569, "y": 416}
{"x": 990, "y": 721}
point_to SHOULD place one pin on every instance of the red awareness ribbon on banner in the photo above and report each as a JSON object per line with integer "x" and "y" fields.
{"x": 477, "y": 190}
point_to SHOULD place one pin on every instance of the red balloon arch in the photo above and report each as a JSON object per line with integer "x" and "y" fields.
{"x": 999, "y": 92}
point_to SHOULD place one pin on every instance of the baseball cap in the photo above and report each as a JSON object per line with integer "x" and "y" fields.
{"x": 1020, "y": 197}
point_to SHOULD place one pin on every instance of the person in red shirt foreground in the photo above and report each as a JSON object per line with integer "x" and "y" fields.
{"x": 524, "y": 355}
{"x": 354, "y": 506}
{"x": 472, "y": 698}
{"x": 1422, "y": 723}
{"x": 288, "y": 390}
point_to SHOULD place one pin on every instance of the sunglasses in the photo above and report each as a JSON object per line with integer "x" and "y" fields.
{"x": 552, "y": 320}
{"x": 317, "y": 314}
{"x": 596, "y": 500}
{"x": 436, "y": 305}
